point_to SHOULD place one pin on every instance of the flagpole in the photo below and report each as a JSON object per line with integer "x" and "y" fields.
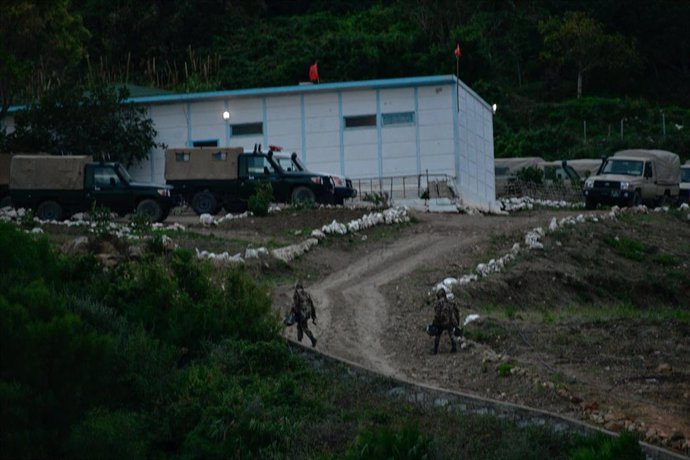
{"x": 457, "y": 77}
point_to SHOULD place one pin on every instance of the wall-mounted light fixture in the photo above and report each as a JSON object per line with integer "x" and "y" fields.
{"x": 493, "y": 108}
{"x": 226, "y": 115}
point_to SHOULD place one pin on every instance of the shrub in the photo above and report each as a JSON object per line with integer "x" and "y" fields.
{"x": 407, "y": 443}
{"x": 108, "y": 434}
{"x": 261, "y": 199}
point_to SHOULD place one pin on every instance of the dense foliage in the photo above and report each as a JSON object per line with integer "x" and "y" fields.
{"x": 78, "y": 120}
{"x": 530, "y": 55}
{"x": 169, "y": 358}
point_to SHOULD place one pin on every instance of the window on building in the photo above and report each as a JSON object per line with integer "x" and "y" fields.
{"x": 205, "y": 143}
{"x": 182, "y": 156}
{"x": 360, "y": 121}
{"x": 247, "y": 129}
{"x": 397, "y": 118}
{"x": 220, "y": 156}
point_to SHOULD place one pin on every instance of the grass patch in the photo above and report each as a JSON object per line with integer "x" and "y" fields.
{"x": 627, "y": 247}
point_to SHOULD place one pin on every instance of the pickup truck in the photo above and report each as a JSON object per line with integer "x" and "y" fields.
{"x": 343, "y": 185}
{"x": 634, "y": 177}
{"x": 211, "y": 178}
{"x": 58, "y": 186}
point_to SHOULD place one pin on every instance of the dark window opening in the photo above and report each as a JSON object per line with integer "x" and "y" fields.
{"x": 398, "y": 118}
{"x": 360, "y": 121}
{"x": 247, "y": 129}
{"x": 182, "y": 156}
{"x": 206, "y": 143}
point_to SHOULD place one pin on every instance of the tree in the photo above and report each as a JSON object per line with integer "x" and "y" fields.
{"x": 74, "y": 120}
{"x": 580, "y": 40}
{"x": 39, "y": 41}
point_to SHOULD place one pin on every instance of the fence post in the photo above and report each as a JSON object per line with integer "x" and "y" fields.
{"x": 403, "y": 187}
{"x": 663, "y": 123}
{"x": 584, "y": 122}
{"x": 622, "y": 127}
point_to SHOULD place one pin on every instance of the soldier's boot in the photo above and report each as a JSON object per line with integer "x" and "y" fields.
{"x": 299, "y": 334}
{"x": 311, "y": 337}
{"x": 454, "y": 346}
{"x": 434, "y": 350}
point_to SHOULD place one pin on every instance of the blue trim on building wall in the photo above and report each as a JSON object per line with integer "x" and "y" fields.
{"x": 303, "y": 128}
{"x": 189, "y": 124}
{"x": 379, "y": 137}
{"x": 341, "y": 124}
{"x": 418, "y": 146}
{"x": 227, "y": 124}
{"x": 456, "y": 136}
{"x": 265, "y": 122}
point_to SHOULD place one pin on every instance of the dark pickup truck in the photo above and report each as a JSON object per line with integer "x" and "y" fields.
{"x": 57, "y": 186}
{"x": 211, "y": 178}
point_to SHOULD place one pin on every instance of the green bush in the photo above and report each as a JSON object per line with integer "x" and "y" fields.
{"x": 106, "y": 434}
{"x": 261, "y": 199}
{"x": 623, "y": 447}
{"x": 382, "y": 442}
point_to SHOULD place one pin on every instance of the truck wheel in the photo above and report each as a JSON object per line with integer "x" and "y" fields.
{"x": 151, "y": 209}
{"x": 302, "y": 195}
{"x": 204, "y": 203}
{"x": 49, "y": 210}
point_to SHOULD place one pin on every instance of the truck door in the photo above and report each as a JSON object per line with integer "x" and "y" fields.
{"x": 256, "y": 168}
{"x": 109, "y": 190}
{"x": 649, "y": 188}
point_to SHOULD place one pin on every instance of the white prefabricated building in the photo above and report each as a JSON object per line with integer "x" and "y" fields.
{"x": 374, "y": 129}
{"x": 361, "y": 129}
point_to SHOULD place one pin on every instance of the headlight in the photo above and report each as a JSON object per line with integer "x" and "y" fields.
{"x": 589, "y": 183}
{"x": 163, "y": 192}
{"x": 317, "y": 180}
{"x": 627, "y": 186}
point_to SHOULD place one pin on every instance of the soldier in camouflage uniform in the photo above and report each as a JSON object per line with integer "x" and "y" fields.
{"x": 302, "y": 310}
{"x": 446, "y": 318}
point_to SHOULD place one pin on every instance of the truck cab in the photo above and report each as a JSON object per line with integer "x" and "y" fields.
{"x": 343, "y": 188}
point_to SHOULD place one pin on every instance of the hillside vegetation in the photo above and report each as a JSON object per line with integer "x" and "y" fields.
{"x": 550, "y": 66}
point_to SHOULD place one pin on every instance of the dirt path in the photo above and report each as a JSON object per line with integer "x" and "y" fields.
{"x": 354, "y": 313}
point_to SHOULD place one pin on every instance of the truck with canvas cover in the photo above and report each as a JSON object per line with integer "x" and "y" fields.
{"x": 211, "y": 178}
{"x": 634, "y": 177}
{"x": 684, "y": 193}
{"x": 57, "y": 186}
{"x": 511, "y": 173}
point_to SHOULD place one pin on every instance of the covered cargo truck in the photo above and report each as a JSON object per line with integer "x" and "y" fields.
{"x": 58, "y": 186}
{"x": 211, "y": 178}
{"x": 633, "y": 177}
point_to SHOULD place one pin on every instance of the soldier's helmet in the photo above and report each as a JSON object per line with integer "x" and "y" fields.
{"x": 298, "y": 285}
{"x": 441, "y": 294}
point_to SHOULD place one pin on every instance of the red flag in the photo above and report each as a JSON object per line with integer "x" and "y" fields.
{"x": 458, "y": 53}
{"x": 314, "y": 72}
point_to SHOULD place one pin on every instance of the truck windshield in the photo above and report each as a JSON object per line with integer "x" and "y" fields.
{"x": 286, "y": 164}
{"x": 685, "y": 174}
{"x": 624, "y": 167}
{"x": 124, "y": 174}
